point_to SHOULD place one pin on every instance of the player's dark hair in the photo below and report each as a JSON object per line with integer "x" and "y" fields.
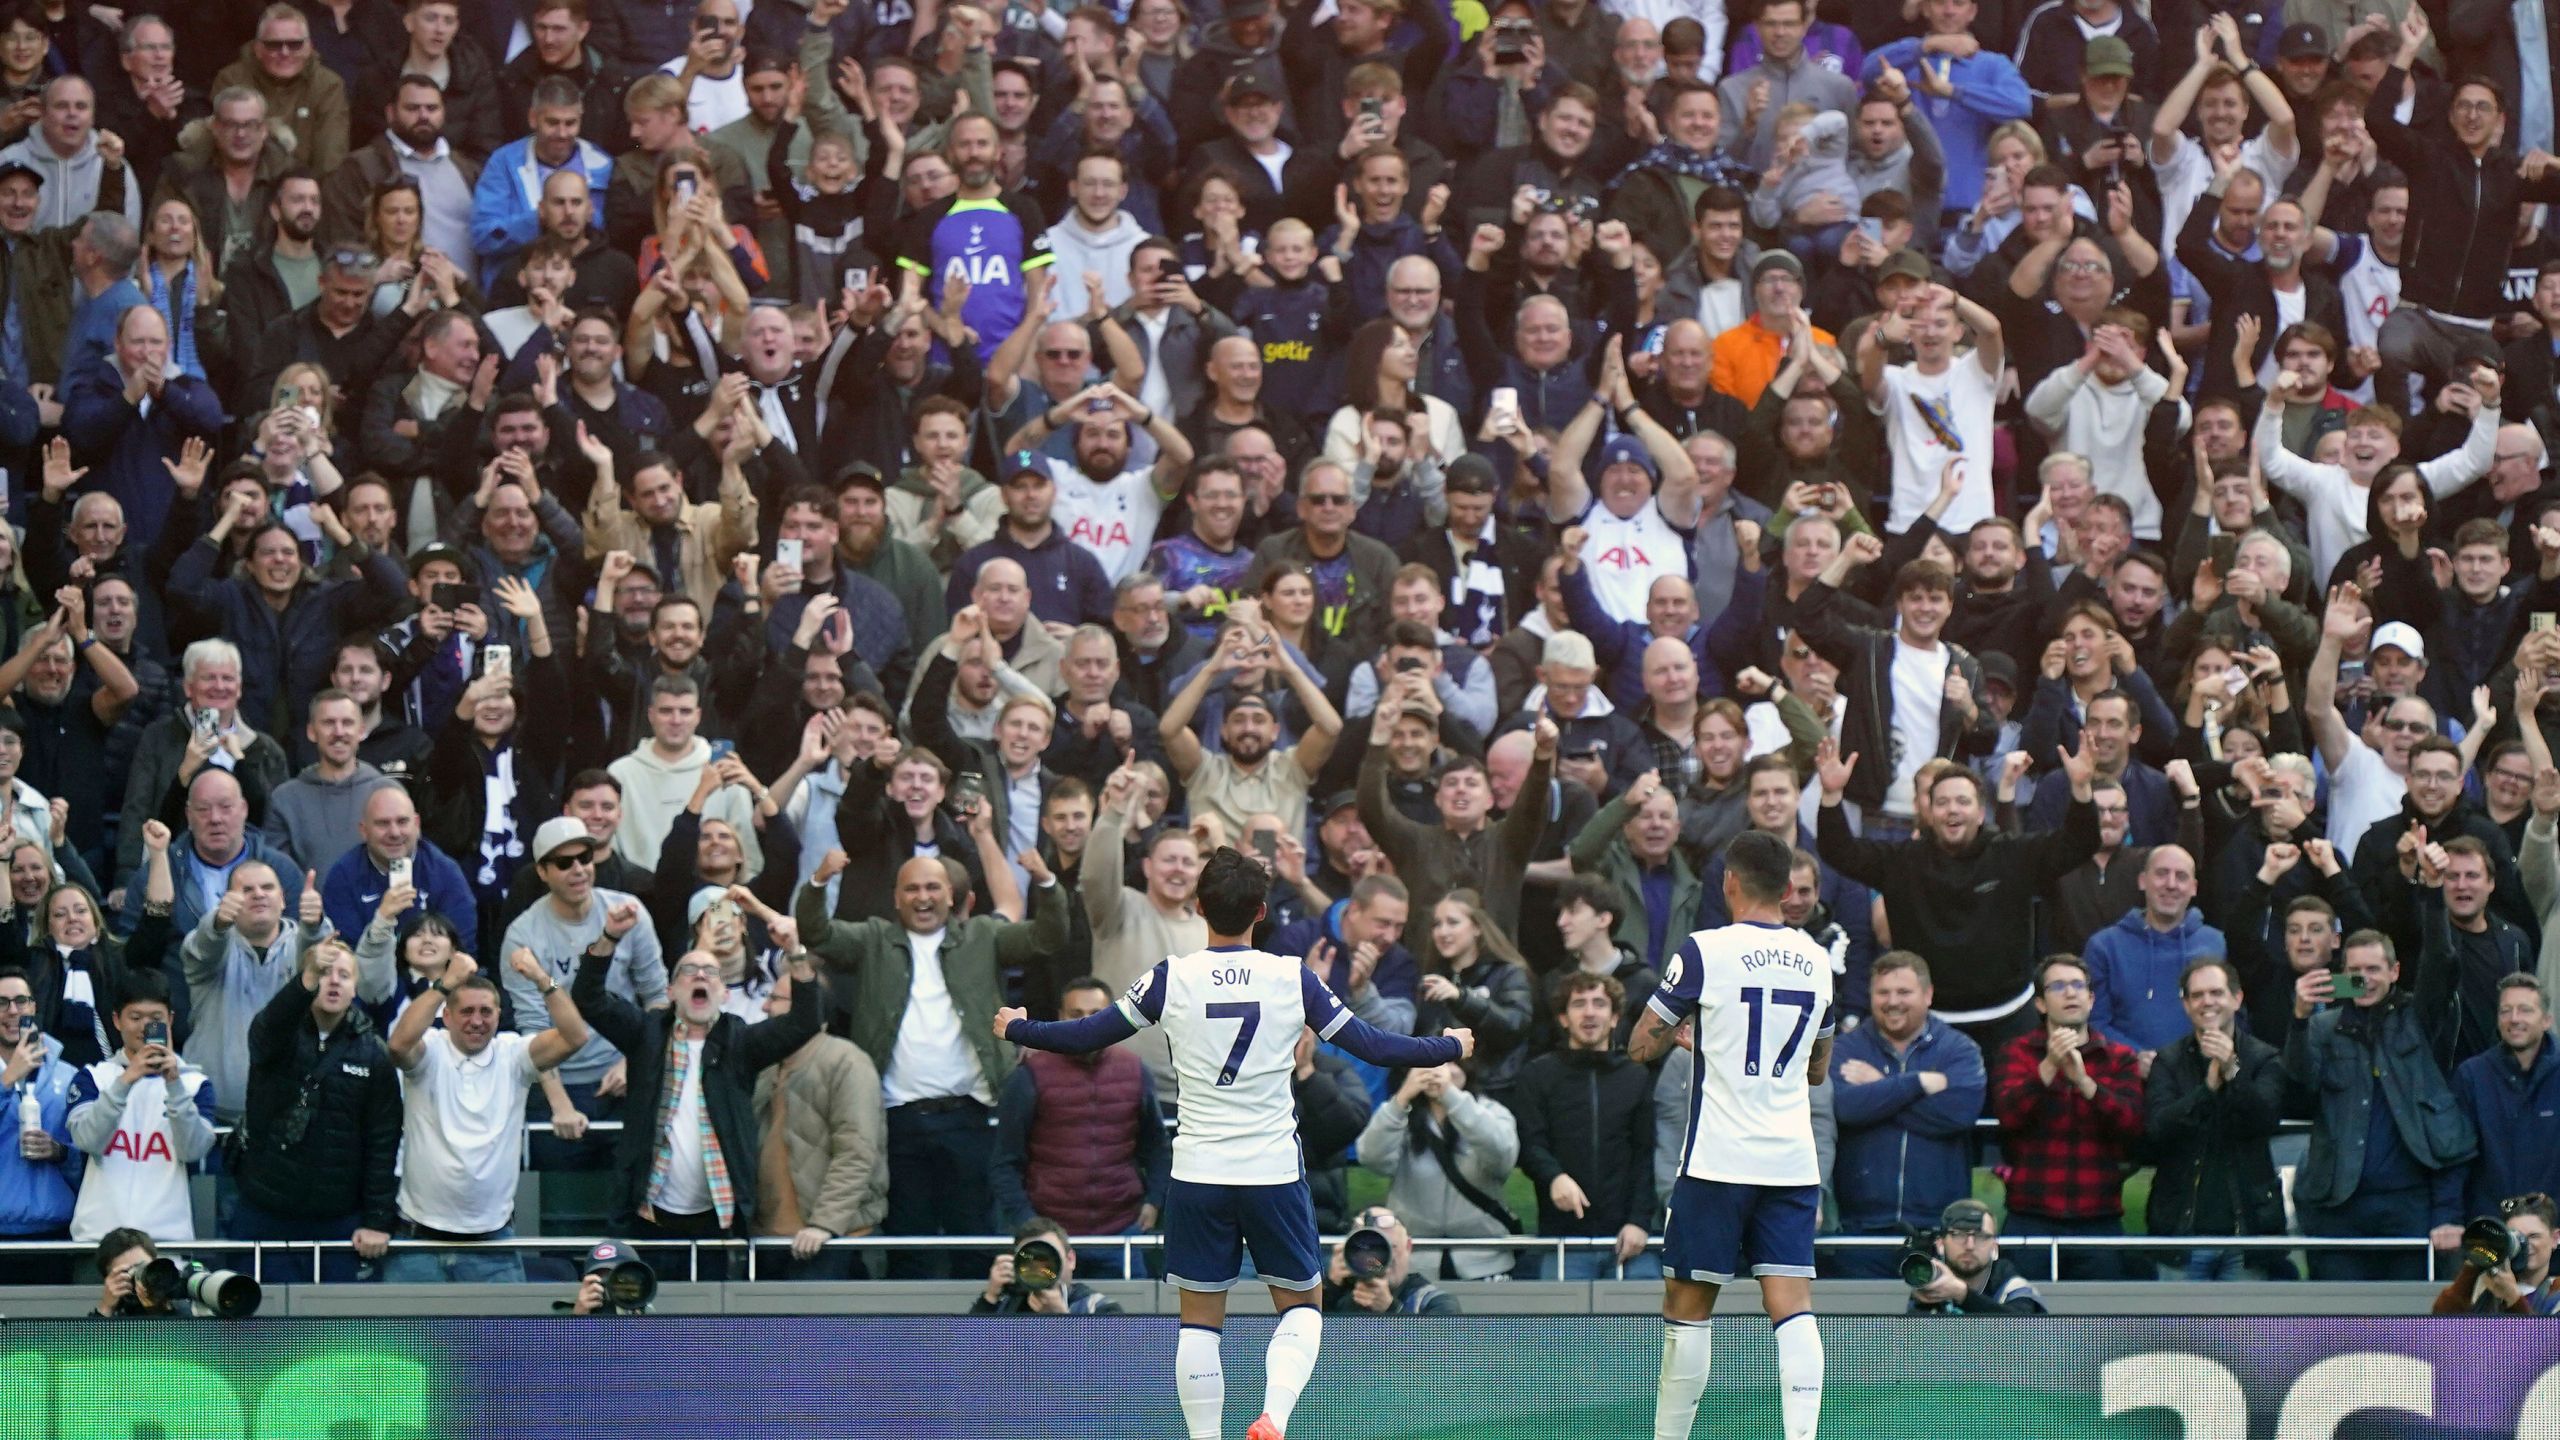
{"x": 1759, "y": 864}
{"x": 1232, "y": 889}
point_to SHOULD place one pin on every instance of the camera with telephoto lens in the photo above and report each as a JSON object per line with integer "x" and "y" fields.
{"x": 1037, "y": 1266}
{"x": 629, "y": 1283}
{"x": 1919, "y": 1262}
{"x": 224, "y": 1294}
{"x": 1367, "y": 1252}
{"x": 2487, "y": 1243}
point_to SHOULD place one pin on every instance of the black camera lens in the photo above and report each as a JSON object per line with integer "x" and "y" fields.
{"x": 1037, "y": 1265}
{"x": 1368, "y": 1252}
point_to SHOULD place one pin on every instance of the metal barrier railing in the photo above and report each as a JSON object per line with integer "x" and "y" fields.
{"x": 1130, "y": 1246}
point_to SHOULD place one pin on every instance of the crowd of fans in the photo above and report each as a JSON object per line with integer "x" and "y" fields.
{"x": 657, "y": 562}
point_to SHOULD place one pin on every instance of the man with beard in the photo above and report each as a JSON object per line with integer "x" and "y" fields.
{"x": 1551, "y": 168}
{"x": 676, "y": 647}
{"x": 985, "y": 233}
{"x": 1068, "y": 583}
{"x": 314, "y": 815}
{"x": 413, "y": 143}
{"x": 596, "y": 402}
{"x": 2274, "y": 286}
{"x": 1251, "y": 775}
{"x": 1642, "y": 515}
{"x": 1969, "y": 1276}
{"x": 920, "y": 991}
{"x": 864, "y": 547}
{"x": 1957, "y": 895}
{"x": 879, "y": 630}
{"x": 1105, "y": 506}
{"x": 69, "y": 709}
{"x": 605, "y": 278}
{"x": 510, "y": 205}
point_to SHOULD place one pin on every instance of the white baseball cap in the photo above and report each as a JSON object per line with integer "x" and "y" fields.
{"x": 2402, "y": 636}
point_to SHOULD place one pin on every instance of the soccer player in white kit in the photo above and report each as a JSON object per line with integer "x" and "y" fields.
{"x": 1232, "y": 1014}
{"x": 1750, "y": 1188}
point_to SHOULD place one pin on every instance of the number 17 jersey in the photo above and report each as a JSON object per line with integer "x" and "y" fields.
{"x": 1231, "y": 1019}
{"x": 1762, "y": 996}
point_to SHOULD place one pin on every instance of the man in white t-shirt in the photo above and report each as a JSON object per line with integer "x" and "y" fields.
{"x": 463, "y": 1090}
{"x": 2219, "y": 88}
{"x": 1104, "y": 504}
{"x": 1937, "y": 407}
{"x": 2336, "y": 499}
{"x": 1641, "y": 523}
{"x": 2369, "y": 773}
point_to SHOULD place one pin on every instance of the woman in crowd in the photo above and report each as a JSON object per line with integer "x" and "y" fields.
{"x": 1476, "y": 978}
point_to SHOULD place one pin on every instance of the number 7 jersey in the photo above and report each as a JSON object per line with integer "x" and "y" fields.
{"x": 1762, "y": 996}
{"x": 1231, "y": 1018}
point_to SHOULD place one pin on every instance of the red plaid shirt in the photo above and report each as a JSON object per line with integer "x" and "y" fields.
{"x": 2066, "y": 1153}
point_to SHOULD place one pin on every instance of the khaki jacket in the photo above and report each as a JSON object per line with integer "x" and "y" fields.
{"x": 837, "y": 1134}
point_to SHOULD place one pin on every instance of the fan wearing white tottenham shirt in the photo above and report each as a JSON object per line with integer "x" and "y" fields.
{"x": 463, "y": 1094}
{"x": 1232, "y": 1014}
{"x": 1750, "y": 1187}
{"x": 1936, "y": 408}
{"x": 1646, "y": 513}
{"x": 1102, "y": 505}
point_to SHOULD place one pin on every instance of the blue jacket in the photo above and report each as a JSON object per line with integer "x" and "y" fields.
{"x": 36, "y": 1196}
{"x": 506, "y": 206}
{"x": 285, "y": 657}
{"x": 123, "y": 447}
{"x": 1988, "y": 91}
{"x": 2517, "y": 1113}
{"x": 2133, "y": 977}
{"x": 1904, "y": 1154}
{"x": 355, "y": 885}
{"x": 1619, "y": 645}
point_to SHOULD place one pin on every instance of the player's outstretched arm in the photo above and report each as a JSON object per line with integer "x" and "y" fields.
{"x": 1099, "y": 1030}
{"x": 1392, "y": 1051}
{"x": 1654, "y": 1037}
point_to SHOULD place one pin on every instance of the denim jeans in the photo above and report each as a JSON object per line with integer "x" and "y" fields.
{"x": 1599, "y": 1265}
{"x": 293, "y": 1267}
{"x": 2215, "y": 1264}
{"x": 457, "y": 1267}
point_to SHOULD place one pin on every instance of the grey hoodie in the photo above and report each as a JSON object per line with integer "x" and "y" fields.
{"x": 1824, "y": 170}
{"x": 1079, "y": 250}
{"x": 314, "y": 819}
{"x": 70, "y": 184}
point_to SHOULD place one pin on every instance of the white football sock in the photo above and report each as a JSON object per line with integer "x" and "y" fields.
{"x": 1800, "y": 1375}
{"x": 1687, "y": 1354}
{"x": 1200, "y": 1379}
{"x": 1290, "y": 1361}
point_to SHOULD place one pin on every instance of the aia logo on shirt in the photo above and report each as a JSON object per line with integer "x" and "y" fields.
{"x": 139, "y": 1147}
{"x": 1624, "y": 557}
{"x": 1096, "y": 534}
